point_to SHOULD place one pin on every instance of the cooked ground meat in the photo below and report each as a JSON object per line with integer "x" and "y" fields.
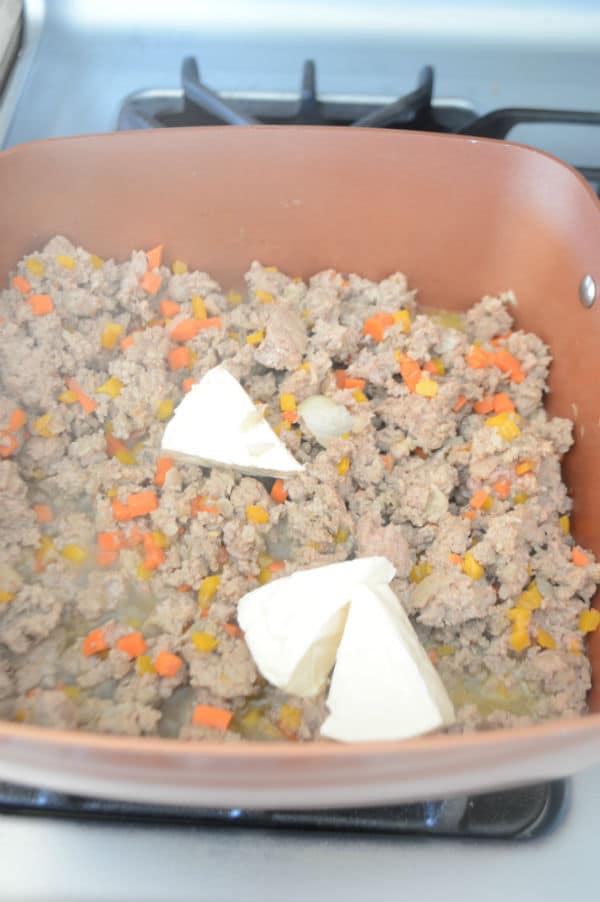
{"x": 451, "y": 469}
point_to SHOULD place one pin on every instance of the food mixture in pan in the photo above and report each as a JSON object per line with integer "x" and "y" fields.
{"x": 420, "y": 436}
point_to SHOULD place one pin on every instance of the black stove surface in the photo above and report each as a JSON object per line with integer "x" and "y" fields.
{"x": 522, "y": 813}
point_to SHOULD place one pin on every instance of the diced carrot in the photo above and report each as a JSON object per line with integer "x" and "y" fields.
{"x": 88, "y": 404}
{"x": 485, "y": 405}
{"x": 169, "y": 308}
{"x": 133, "y": 644}
{"x": 154, "y": 257}
{"x": 469, "y": 515}
{"x": 496, "y": 341}
{"x": 8, "y": 443}
{"x": 199, "y": 505}
{"x": 151, "y": 282}
{"x": 388, "y": 462}
{"x": 94, "y": 642}
{"x": 508, "y": 363}
{"x": 43, "y": 513}
{"x": 502, "y": 488}
{"x": 106, "y": 558}
{"x": 163, "y": 465}
{"x": 179, "y": 358}
{"x": 110, "y": 541}
{"x": 290, "y": 416}
{"x": 154, "y": 555}
{"x": 479, "y": 499}
{"x": 276, "y": 566}
{"x": 502, "y": 403}
{"x": 167, "y": 664}
{"x": 185, "y": 330}
{"x": 233, "y": 630}
{"x": 184, "y": 587}
{"x": 40, "y": 304}
{"x": 21, "y": 284}
{"x": 187, "y": 384}
{"x": 478, "y": 358}
{"x": 138, "y": 504}
{"x": 278, "y": 492}
{"x": 455, "y": 558}
{"x": 127, "y": 342}
{"x": 410, "y": 371}
{"x": 340, "y": 378}
{"x": 209, "y": 716}
{"x": 579, "y": 558}
{"x": 211, "y": 322}
{"x": 376, "y": 325}
{"x": 459, "y": 403}
{"x": 17, "y": 420}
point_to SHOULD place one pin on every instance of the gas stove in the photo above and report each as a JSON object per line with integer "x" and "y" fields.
{"x": 496, "y": 70}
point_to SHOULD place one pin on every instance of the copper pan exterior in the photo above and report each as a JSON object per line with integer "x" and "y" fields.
{"x": 461, "y": 217}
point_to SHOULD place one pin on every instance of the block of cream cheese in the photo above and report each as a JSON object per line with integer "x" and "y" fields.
{"x": 293, "y": 625}
{"x": 383, "y": 686}
{"x": 217, "y": 424}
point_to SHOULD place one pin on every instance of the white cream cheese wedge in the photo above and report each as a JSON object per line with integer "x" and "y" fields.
{"x": 293, "y": 625}
{"x": 383, "y": 686}
{"x": 217, "y": 424}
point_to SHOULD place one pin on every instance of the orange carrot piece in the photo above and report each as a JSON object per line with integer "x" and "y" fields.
{"x": 502, "y": 403}
{"x": 17, "y": 420}
{"x": 138, "y": 504}
{"x": 88, "y": 404}
{"x": 110, "y": 541}
{"x": 455, "y": 558}
{"x": 40, "y": 304}
{"x": 185, "y": 330}
{"x": 340, "y": 378}
{"x": 209, "y": 716}
{"x": 352, "y": 382}
{"x": 179, "y": 358}
{"x": 211, "y": 322}
{"x": 127, "y": 342}
{"x": 8, "y": 443}
{"x": 151, "y": 282}
{"x": 154, "y": 257}
{"x": 43, "y": 513}
{"x": 169, "y": 308}
{"x": 184, "y": 587}
{"x": 469, "y": 515}
{"x": 163, "y": 465}
{"x": 278, "y": 492}
{"x": 388, "y": 462}
{"x": 496, "y": 341}
{"x": 479, "y": 499}
{"x": 290, "y": 416}
{"x": 502, "y": 488}
{"x": 233, "y": 630}
{"x": 94, "y": 642}
{"x": 114, "y": 445}
{"x": 376, "y": 325}
{"x": 459, "y": 403}
{"x": 187, "y": 384}
{"x": 199, "y": 505}
{"x": 21, "y": 284}
{"x": 106, "y": 558}
{"x": 167, "y": 664}
{"x": 133, "y": 644}
{"x": 155, "y": 555}
{"x": 276, "y": 566}
{"x": 508, "y": 363}
{"x": 410, "y": 371}
{"x": 485, "y": 405}
{"x": 478, "y": 358}
{"x": 579, "y": 558}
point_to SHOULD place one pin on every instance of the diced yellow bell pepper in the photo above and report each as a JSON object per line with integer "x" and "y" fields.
{"x": 530, "y": 599}
{"x": 420, "y": 571}
{"x": 112, "y": 387}
{"x": 265, "y": 297}
{"x": 359, "y": 396}
{"x": 36, "y": 267}
{"x": 255, "y": 338}
{"x": 179, "y": 267}
{"x": 144, "y": 664}
{"x": 198, "y": 307}
{"x": 110, "y": 335}
{"x": 520, "y": 497}
{"x": 204, "y": 642}
{"x": 207, "y": 590}
{"x": 520, "y": 639}
{"x": 42, "y": 426}
{"x": 341, "y": 536}
{"x": 589, "y": 621}
{"x": 5, "y": 597}
{"x": 287, "y": 401}
{"x": 159, "y": 539}
{"x": 505, "y": 425}
{"x": 255, "y": 513}
{"x": 444, "y": 651}
{"x": 126, "y": 457}
{"x": 264, "y": 576}
{"x": 525, "y": 466}
{"x": 472, "y": 567}
{"x": 290, "y": 719}
{"x": 565, "y": 524}
{"x": 427, "y": 388}
{"x": 544, "y": 639}
{"x": 520, "y": 617}
{"x": 143, "y": 573}
{"x": 96, "y": 261}
{"x": 72, "y": 692}
{"x": 68, "y": 397}
{"x": 402, "y": 317}
{"x": 164, "y": 409}
{"x": 66, "y": 261}
{"x": 234, "y": 298}
{"x": 343, "y": 466}
{"x": 74, "y": 553}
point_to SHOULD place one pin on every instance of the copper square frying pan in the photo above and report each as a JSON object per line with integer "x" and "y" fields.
{"x": 462, "y": 218}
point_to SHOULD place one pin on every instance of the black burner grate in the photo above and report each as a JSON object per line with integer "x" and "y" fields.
{"x": 521, "y": 813}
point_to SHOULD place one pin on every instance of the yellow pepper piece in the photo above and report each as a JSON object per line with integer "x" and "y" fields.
{"x": 110, "y": 335}
{"x": 520, "y": 639}
{"x": 112, "y": 387}
{"x": 234, "y": 298}
{"x": 530, "y": 599}
{"x": 420, "y": 571}
{"x": 264, "y": 576}
{"x": 96, "y": 261}
{"x": 359, "y": 396}
{"x": 36, "y": 267}
{"x": 574, "y": 647}
{"x": 265, "y": 297}
{"x": 144, "y": 664}
{"x": 505, "y": 425}
{"x": 198, "y": 307}
{"x": 42, "y": 426}
{"x": 444, "y": 651}
{"x": 204, "y": 642}
{"x": 343, "y": 466}
{"x": 402, "y": 317}
{"x": 439, "y": 366}
{"x": 427, "y": 388}
{"x": 589, "y": 621}
{"x": 72, "y": 692}
{"x": 74, "y": 553}
{"x": 287, "y": 401}
{"x": 524, "y": 467}
{"x": 255, "y": 338}
{"x": 66, "y": 262}
{"x": 207, "y": 590}
{"x": 255, "y": 513}
{"x": 112, "y": 492}
{"x": 290, "y": 718}
{"x": 341, "y": 536}
{"x": 251, "y": 720}
{"x": 305, "y": 367}
{"x": 179, "y": 267}
{"x": 143, "y": 573}
{"x": 520, "y": 497}
{"x": 164, "y": 409}
{"x": 472, "y": 567}
{"x": 284, "y": 426}
{"x": 544, "y": 639}
{"x": 565, "y": 524}
{"x": 5, "y": 597}
{"x": 520, "y": 617}
{"x": 160, "y": 539}
{"x": 68, "y": 397}
{"x": 126, "y": 457}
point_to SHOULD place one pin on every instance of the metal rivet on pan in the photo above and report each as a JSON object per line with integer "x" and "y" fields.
{"x": 587, "y": 291}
